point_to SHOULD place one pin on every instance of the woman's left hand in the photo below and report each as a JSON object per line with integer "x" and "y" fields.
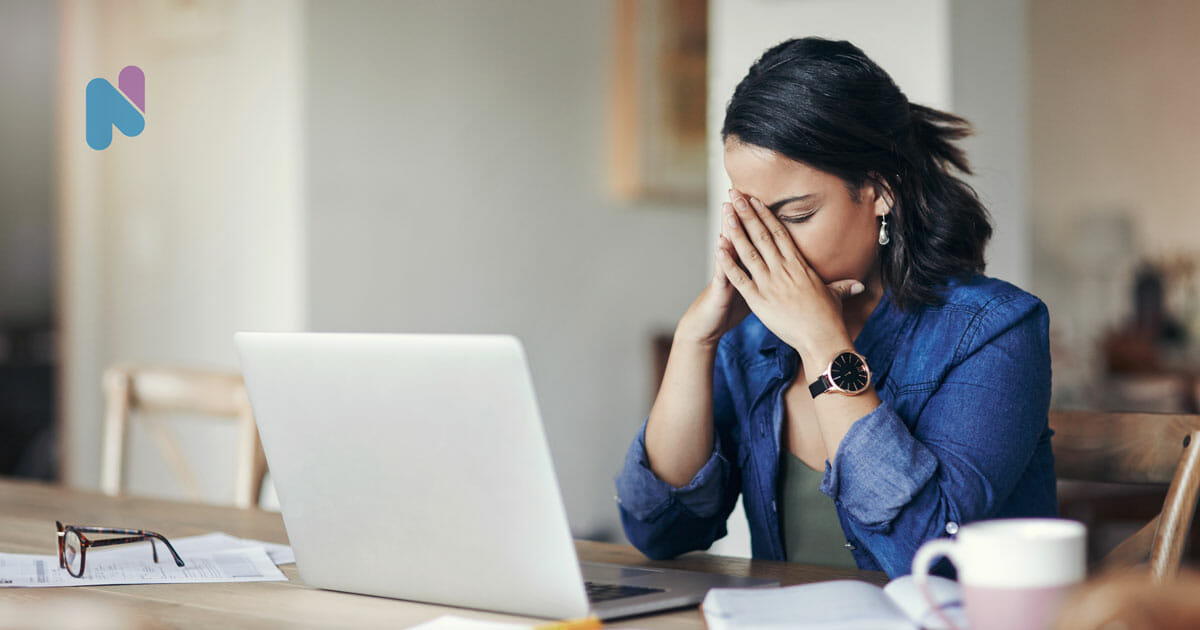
{"x": 779, "y": 285}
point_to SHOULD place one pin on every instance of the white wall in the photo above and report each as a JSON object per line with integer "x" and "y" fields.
{"x": 176, "y": 238}
{"x": 990, "y": 77}
{"x": 28, "y": 57}
{"x": 456, "y": 179}
{"x": 1117, "y": 126}
{"x": 961, "y": 55}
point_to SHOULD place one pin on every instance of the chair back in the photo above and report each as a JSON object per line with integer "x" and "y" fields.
{"x": 1136, "y": 448}
{"x": 147, "y": 391}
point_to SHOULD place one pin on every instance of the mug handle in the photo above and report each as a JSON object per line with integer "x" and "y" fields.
{"x": 930, "y": 551}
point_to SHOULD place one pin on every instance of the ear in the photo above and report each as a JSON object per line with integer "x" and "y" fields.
{"x": 883, "y": 196}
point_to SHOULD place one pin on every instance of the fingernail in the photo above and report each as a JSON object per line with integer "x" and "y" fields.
{"x": 731, "y": 221}
{"x": 741, "y": 205}
{"x": 857, "y": 288}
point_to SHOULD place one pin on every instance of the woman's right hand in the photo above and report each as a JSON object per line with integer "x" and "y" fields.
{"x": 719, "y": 308}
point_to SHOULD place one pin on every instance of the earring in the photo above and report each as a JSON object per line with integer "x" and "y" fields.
{"x": 884, "y": 239}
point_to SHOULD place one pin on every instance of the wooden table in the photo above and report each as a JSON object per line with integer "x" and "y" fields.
{"x": 28, "y": 511}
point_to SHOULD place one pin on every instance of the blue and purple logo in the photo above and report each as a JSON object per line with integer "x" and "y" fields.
{"x": 108, "y": 107}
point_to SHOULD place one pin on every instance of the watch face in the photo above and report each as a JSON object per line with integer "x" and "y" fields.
{"x": 849, "y": 373}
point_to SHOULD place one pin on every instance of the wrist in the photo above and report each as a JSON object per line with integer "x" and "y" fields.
{"x": 819, "y": 357}
{"x": 701, "y": 337}
{"x": 685, "y": 338}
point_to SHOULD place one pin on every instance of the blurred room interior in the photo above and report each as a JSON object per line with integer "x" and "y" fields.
{"x": 542, "y": 168}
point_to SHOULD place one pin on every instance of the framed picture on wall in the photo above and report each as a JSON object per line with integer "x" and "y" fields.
{"x": 659, "y": 97}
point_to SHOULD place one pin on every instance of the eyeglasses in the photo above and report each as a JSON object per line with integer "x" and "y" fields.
{"x": 73, "y": 545}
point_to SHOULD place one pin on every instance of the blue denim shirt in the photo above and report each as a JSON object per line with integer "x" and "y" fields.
{"x": 962, "y": 433}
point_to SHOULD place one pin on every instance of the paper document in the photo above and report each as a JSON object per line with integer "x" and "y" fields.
{"x": 135, "y": 565}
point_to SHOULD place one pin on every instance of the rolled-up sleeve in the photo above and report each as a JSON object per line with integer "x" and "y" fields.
{"x": 646, "y": 497}
{"x": 664, "y": 521}
{"x": 872, "y": 487}
{"x": 900, "y": 484}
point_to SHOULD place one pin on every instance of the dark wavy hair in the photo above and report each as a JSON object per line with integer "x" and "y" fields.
{"x": 826, "y": 104}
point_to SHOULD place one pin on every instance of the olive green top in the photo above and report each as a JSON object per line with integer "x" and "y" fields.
{"x": 812, "y": 533}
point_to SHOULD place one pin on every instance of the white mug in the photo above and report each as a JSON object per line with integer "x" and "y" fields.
{"x": 1014, "y": 573}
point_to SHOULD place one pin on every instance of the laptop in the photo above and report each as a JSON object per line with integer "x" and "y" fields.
{"x": 416, "y": 467}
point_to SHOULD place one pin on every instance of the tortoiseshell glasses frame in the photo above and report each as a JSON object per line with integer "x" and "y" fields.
{"x": 73, "y": 545}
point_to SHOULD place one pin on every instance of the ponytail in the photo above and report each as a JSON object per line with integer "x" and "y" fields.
{"x": 935, "y": 132}
{"x": 941, "y": 226}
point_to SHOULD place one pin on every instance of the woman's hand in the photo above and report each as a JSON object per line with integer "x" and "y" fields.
{"x": 718, "y": 309}
{"x": 772, "y": 276}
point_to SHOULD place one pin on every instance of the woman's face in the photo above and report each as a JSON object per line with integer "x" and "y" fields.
{"x": 838, "y": 235}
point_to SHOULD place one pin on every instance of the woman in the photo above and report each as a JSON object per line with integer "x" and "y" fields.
{"x": 848, "y": 369}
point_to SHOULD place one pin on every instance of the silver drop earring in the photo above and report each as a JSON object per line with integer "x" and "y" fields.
{"x": 884, "y": 239}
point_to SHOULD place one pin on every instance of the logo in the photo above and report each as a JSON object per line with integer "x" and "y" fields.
{"x": 108, "y": 107}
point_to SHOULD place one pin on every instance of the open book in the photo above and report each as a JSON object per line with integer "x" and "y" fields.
{"x": 836, "y": 605}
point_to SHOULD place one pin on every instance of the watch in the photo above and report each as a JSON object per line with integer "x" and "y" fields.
{"x": 847, "y": 374}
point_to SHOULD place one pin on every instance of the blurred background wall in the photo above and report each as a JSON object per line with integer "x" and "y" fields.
{"x": 1116, "y": 146}
{"x": 28, "y": 59}
{"x": 28, "y": 67}
{"x": 444, "y": 167}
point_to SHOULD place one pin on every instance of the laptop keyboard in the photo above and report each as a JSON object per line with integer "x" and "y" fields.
{"x": 599, "y": 592}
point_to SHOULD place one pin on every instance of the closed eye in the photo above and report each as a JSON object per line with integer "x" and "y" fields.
{"x": 798, "y": 218}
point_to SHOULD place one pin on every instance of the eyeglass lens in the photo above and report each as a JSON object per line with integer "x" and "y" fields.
{"x": 73, "y": 552}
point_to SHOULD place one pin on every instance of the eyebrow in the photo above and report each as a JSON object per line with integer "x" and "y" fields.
{"x": 774, "y": 208}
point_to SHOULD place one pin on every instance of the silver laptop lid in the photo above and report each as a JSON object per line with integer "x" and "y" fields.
{"x": 415, "y": 467}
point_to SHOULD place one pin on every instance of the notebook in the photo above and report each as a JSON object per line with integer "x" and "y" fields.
{"x": 836, "y": 605}
{"x": 416, "y": 467}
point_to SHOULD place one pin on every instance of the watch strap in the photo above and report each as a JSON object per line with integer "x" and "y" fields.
{"x": 820, "y": 386}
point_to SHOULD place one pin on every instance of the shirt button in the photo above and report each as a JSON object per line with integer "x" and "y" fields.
{"x": 773, "y": 507}
{"x": 951, "y": 528}
{"x": 849, "y": 545}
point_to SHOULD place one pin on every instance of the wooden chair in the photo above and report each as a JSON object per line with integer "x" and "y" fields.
{"x": 130, "y": 389}
{"x": 1136, "y": 448}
